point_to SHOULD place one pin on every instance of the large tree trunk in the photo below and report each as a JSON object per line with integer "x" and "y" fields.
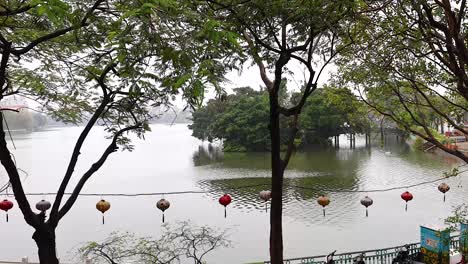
{"x": 276, "y": 229}
{"x": 44, "y": 235}
{"x": 45, "y": 240}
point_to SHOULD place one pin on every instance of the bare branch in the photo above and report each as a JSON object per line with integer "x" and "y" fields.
{"x": 77, "y": 151}
{"x": 268, "y": 83}
{"x": 19, "y": 10}
{"x": 95, "y": 167}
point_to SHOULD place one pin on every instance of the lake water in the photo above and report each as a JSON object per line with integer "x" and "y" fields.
{"x": 170, "y": 160}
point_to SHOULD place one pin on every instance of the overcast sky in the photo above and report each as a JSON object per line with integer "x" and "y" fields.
{"x": 250, "y": 76}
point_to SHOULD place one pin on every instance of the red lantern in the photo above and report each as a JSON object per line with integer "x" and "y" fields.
{"x": 6, "y": 205}
{"x": 225, "y": 200}
{"x": 265, "y": 196}
{"x": 323, "y": 201}
{"x": 163, "y": 205}
{"x": 407, "y": 196}
{"x": 443, "y": 188}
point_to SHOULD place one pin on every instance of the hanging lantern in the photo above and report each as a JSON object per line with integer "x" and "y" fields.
{"x": 443, "y": 188}
{"x": 43, "y": 205}
{"x": 323, "y": 201}
{"x": 265, "y": 196}
{"x": 163, "y": 205}
{"x": 367, "y": 201}
{"x": 407, "y": 196}
{"x": 6, "y": 205}
{"x": 225, "y": 200}
{"x": 103, "y": 206}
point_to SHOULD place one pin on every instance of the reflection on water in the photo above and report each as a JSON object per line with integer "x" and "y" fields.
{"x": 171, "y": 160}
{"x": 244, "y": 175}
{"x": 206, "y": 155}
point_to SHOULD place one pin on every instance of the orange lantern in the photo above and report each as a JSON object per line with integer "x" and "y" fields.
{"x": 103, "y": 206}
{"x": 323, "y": 201}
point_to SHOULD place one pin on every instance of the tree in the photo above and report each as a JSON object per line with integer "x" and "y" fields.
{"x": 243, "y": 124}
{"x": 179, "y": 242}
{"x": 238, "y": 119}
{"x": 203, "y": 119}
{"x": 26, "y": 25}
{"x": 330, "y": 111}
{"x": 460, "y": 215}
{"x": 274, "y": 33}
{"x": 409, "y": 64}
{"x": 100, "y": 62}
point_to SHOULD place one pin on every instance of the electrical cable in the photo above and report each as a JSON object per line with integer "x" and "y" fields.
{"x": 259, "y": 185}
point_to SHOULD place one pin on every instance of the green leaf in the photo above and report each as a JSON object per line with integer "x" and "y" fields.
{"x": 184, "y": 78}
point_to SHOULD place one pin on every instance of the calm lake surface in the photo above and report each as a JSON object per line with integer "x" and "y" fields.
{"x": 170, "y": 160}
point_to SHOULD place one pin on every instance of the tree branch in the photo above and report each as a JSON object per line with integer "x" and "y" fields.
{"x": 95, "y": 167}
{"x": 408, "y": 128}
{"x": 3, "y": 65}
{"x": 74, "y": 158}
{"x": 29, "y": 216}
{"x": 243, "y": 22}
{"x": 58, "y": 33}
{"x": 431, "y": 105}
{"x": 268, "y": 83}
{"x": 22, "y": 9}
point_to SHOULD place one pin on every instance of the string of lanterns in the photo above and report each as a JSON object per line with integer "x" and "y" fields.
{"x": 265, "y": 195}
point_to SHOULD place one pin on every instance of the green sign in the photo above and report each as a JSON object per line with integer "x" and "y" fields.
{"x": 435, "y": 246}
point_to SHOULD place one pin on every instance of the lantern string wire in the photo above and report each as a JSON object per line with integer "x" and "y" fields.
{"x": 374, "y": 190}
{"x": 221, "y": 189}
{"x": 9, "y": 132}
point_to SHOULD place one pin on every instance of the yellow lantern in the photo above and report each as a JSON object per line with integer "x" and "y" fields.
{"x": 103, "y": 206}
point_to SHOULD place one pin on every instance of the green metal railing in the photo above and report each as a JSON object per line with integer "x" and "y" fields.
{"x": 376, "y": 256}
